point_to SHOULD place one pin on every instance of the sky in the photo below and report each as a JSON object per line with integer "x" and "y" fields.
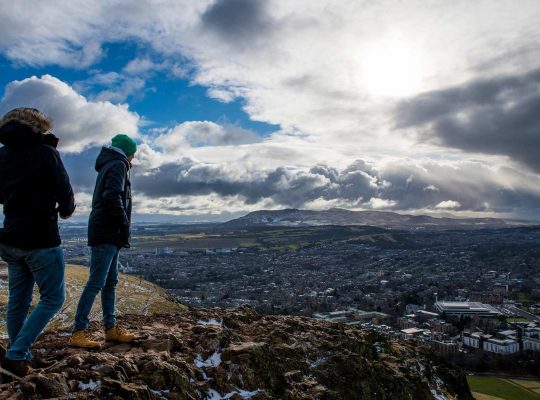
{"x": 419, "y": 107}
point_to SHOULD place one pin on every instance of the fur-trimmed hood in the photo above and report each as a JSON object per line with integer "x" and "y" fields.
{"x": 24, "y": 126}
{"x": 16, "y": 134}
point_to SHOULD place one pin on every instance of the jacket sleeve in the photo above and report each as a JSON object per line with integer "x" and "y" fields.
{"x": 63, "y": 190}
{"x": 114, "y": 186}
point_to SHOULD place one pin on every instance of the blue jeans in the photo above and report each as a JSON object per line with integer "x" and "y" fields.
{"x": 26, "y": 267}
{"x": 104, "y": 277}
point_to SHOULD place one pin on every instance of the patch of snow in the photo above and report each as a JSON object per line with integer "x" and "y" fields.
{"x": 245, "y": 394}
{"x": 439, "y": 382}
{"x": 93, "y": 386}
{"x": 320, "y": 360}
{"x": 161, "y": 393}
{"x": 211, "y": 321}
{"x": 213, "y": 361}
{"x": 63, "y": 334}
{"x": 438, "y": 396}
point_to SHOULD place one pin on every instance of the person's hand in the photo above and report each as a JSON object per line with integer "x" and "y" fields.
{"x": 65, "y": 216}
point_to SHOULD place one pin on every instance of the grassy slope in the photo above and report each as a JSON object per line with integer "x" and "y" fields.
{"x": 501, "y": 388}
{"x": 134, "y": 296}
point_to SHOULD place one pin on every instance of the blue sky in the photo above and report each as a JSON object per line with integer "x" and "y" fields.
{"x": 240, "y": 105}
{"x": 167, "y": 100}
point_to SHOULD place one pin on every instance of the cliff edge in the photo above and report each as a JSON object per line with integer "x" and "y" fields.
{"x": 237, "y": 354}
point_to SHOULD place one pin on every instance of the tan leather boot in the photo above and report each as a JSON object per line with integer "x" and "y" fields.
{"x": 119, "y": 335}
{"x": 83, "y": 340}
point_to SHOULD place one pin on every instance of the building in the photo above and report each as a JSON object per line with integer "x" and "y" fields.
{"x": 412, "y": 308}
{"x": 478, "y": 340}
{"x": 354, "y": 316}
{"x": 474, "y": 339}
{"x": 530, "y": 343}
{"x": 445, "y": 347}
{"x": 405, "y": 323}
{"x": 466, "y": 308}
{"x": 504, "y": 346}
{"x": 410, "y": 333}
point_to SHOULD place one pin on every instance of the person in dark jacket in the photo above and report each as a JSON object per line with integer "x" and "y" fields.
{"x": 34, "y": 189}
{"x": 108, "y": 232}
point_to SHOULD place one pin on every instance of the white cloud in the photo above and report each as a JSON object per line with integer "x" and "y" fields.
{"x": 204, "y": 133}
{"x": 145, "y": 66}
{"x": 78, "y": 123}
{"x": 448, "y": 204}
{"x": 301, "y": 65}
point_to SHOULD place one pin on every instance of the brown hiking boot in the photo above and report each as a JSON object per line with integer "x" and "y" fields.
{"x": 20, "y": 368}
{"x": 119, "y": 335}
{"x": 83, "y": 340}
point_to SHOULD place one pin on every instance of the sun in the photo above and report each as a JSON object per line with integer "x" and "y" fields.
{"x": 391, "y": 68}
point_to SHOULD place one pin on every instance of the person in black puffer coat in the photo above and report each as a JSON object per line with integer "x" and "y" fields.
{"x": 108, "y": 232}
{"x": 34, "y": 189}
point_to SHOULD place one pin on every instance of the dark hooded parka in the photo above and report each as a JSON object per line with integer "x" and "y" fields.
{"x": 34, "y": 188}
{"x": 110, "y": 218}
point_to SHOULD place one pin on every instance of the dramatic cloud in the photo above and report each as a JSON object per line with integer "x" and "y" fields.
{"x": 495, "y": 116}
{"x": 238, "y": 21}
{"x": 460, "y": 186}
{"x": 437, "y": 102}
{"x": 78, "y": 123}
{"x": 205, "y": 133}
{"x": 112, "y": 86}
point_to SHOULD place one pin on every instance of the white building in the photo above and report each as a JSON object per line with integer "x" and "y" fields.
{"x": 466, "y": 308}
{"x": 530, "y": 343}
{"x": 473, "y": 339}
{"x": 504, "y": 346}
{"x": 479, "y": 340}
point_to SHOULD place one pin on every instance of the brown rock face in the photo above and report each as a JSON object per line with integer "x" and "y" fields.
{"x": 238, "y": 354}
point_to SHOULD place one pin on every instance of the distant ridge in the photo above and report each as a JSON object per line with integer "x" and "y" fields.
{"x": 384, "y": 219}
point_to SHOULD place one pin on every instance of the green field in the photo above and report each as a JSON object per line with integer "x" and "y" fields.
{"x": 501, "y": 388}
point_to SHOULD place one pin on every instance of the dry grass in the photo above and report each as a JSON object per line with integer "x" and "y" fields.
{"x": 482, "y": 396}
{"x": 133, "y": 296}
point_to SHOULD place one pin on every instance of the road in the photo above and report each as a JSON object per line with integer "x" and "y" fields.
{"x": 522, "y": 313}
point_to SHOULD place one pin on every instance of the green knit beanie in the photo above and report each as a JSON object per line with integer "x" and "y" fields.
{"x": 125, "y": 143}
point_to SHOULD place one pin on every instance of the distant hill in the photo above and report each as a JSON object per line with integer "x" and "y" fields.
{"x": 382, "y": 219}
{"x": 133, "y": 296}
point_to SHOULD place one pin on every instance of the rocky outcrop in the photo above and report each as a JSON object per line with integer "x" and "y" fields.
{"x": 237, "y": 354}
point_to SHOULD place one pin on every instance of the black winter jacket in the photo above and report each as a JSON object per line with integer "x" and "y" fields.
{"x": 110, "y": 218}
{"x": 33, "y": 181}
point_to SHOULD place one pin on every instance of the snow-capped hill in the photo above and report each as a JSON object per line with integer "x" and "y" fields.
{"x": 383, "y": 219}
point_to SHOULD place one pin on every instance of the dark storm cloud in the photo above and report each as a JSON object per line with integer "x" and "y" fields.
{"x": 188, "y": 178}
{"x": 462, "y": 186}
{"x": 237, "y": 21}
{"x": 495, "y": 116}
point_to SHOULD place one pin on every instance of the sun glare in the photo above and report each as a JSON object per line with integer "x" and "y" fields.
{"x": 391, "y": 68}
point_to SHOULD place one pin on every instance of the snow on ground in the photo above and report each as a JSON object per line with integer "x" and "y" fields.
{"x": 211, "y": 321}
{"x": 213, "y": 361}
{"x": 438, "y": 396}
{"x": 245, "y": 394}
{"x": 90, "y": 385}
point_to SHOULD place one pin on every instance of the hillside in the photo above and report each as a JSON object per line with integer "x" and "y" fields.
{"x": 216, "y": 354}
{"x": 133, "y": 296}
{"x": 382, "y": 219}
